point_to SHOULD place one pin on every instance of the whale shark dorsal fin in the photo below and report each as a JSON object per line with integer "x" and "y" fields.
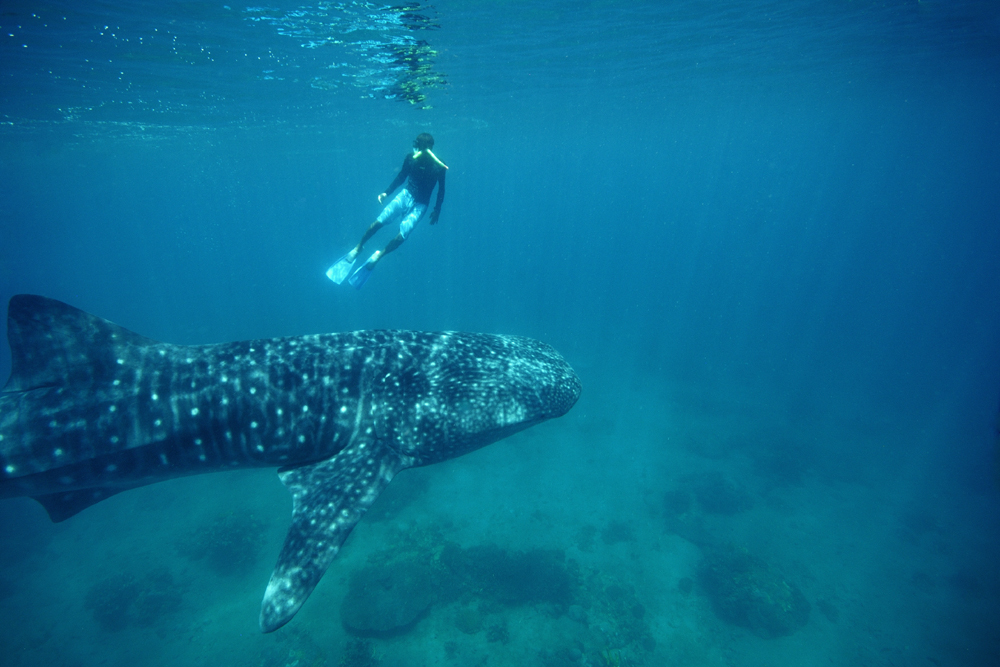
{"x": 52, "y": 343}
{"x": 328, "y": 499}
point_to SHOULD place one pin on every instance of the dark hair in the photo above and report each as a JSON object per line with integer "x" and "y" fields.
{"x": 423, "y": 141}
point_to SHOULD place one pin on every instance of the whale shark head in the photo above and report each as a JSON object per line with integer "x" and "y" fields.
{"x": 464, "y": 391}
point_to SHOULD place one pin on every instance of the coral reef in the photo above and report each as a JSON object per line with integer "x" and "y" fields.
{"x": 745, "y": 591}
{"x": 468, "y": 620}
{"x": 567, "y": 656}
{"x": 624, "y": 617}
{"x": 695, "y": 496}
{"x": 513, "y": 577}
{"x": 229, "y": 543}
{"x": 110, "y": 601}
{"x": 397, "y": 588}
{"x": 717, "y": 495}
{"x": 828, "y": 609}
{"x": 617, "y": 531}
{"x": 388, "y": 600}
{"x": 779, "y": 460}
{"x": 611, "y": 658}
{"x": 677, "y": 502}
{"x": 358, "y": 653}
{"x": 498, "y": 633}
{"x": 127, "y": 599}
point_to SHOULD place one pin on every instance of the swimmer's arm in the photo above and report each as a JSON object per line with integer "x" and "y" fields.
{"x": 436, "y": 213}
{"x": 396, "y": 182}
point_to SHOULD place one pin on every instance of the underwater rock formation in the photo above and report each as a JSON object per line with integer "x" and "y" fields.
{"x": 688, "y": 505}
{"x": 513, "y": 577}
{"x": 357, "y": 653}
{"x": 391, "y": 595}
{"x": 469, "y": 620}
{"x": 126, "y": 599}
{"x": 229, "y": 543}
{"x": 388, "y": 600}
{"x": 617, "y": 531}
{"x": 745, "y": 591}
{"x": 717, "y": 495}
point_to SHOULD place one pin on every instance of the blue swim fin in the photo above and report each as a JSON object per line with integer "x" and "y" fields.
{"x": 360, "y": 277}
{"x": 341, "y": 268}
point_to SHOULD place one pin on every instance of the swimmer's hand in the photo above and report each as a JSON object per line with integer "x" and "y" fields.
{"x": 435, "y": 214}
{"x": 381, "y": 197}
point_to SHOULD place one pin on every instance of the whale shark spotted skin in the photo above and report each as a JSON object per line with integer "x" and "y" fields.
{"x": 92, "y": 409}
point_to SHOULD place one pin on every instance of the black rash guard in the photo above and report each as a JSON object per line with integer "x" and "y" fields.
{"x": 421, "y": 175}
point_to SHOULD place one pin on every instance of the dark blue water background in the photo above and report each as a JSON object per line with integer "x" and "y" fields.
{"x": 787, "y": 211}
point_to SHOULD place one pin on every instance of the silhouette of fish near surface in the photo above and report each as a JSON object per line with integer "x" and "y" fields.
{"x": 92, "y": 409}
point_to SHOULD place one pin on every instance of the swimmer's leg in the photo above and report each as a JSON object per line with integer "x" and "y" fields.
{"x": 396, "y": 241}
{"x": 405, "y": 227}
{"x": 360, "y": 277}
{"x": 371, "y": 231}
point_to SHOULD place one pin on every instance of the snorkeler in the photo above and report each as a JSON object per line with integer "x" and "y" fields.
{"x": 422, "y": 170}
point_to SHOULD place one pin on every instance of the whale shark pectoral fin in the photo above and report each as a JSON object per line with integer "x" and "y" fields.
{"x": 328, "y": 499}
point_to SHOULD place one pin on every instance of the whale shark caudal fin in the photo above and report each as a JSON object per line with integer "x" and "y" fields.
{"x": 328, "y": 499}
{"x": 52, "y": 343}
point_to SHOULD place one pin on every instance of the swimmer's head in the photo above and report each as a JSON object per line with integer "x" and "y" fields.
{"x": 423, "y": 142}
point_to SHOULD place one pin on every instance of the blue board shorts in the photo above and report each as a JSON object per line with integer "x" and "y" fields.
{"x": 403, "y": 206}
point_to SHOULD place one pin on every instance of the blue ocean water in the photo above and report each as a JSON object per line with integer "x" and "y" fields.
{"x": 764, "y": 234}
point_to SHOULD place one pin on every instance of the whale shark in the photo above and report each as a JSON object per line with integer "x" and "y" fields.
{"x": 92, "y": 409}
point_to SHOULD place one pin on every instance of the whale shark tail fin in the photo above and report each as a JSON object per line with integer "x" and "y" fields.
{"x": 328, "y": 500}
{"x": 52, "y": 343}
